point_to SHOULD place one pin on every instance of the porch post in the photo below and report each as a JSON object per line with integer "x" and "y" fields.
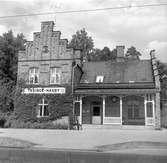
{"x": 153, "y": 105}
{"x": 145, "y": 109}
{"x": 121, "y": 108}
{"x": 80, "y": 119}
{"x": 104, "y": 101}
{"x": 157, "y": 111}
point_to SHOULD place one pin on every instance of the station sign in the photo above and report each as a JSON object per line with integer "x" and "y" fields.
{"x": 44, "y": 90}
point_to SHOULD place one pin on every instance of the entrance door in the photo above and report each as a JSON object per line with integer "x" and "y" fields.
{"x": 96, "y": 114}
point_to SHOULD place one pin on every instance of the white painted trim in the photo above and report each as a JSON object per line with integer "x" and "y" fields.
{"x": 153, "y": 111}
{"x": 80, "y": 120}
{"x": 145, "y": 109}
{"x": 117, "y": 118}
{"x": 104, "y": 103}
{"x": 121, "y": 108}
{"x": 112, "y": 124}
{"x": 153, "y": 104}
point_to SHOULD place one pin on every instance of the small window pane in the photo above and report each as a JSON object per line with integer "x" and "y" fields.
{"x": 96, "y": 111}
{"x": 54, "y": 76}
{"x": 33, "y": 76}
{"x": 46, "y": 112}
{"x": 36, "y": 79}
{"x": 40, "y": 111}
{"x": 149, "y": 109}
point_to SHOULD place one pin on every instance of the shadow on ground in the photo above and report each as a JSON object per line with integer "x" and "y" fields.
{"x": 15, "y": 143}
{"x": 133, "y": 145}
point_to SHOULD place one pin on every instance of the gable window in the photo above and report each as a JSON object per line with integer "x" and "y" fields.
{"x": 55, "y": 75}
{"x": 43, "y": 108}
{"x": 99, "y": 79}
{"x": 33, "y": 76}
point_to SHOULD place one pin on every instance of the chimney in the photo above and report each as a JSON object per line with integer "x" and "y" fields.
{"x": 120, "y": 53}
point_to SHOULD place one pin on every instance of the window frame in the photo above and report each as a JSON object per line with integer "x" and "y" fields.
{"x": 33, "y": 74}
{"x": 56, "y": 75}
{"x": 99, "y": 79}
{"x": 42, "y": 108}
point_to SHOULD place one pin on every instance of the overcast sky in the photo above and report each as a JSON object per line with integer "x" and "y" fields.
{"x": 144, "y": 28}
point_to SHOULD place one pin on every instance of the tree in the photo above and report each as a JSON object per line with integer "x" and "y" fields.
{"x": 9, "y": 47}
{"x": 162, "y": 69}
{"x": 82, "y": 41}
{"x": 103, "y": 55}
{"x": 132, "y": 53}
{"x": 95, "y": 55}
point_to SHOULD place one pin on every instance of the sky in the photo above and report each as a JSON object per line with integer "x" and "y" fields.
{"x": 145, "y": 28}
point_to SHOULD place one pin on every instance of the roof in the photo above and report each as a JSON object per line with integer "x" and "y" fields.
{"x": 139, "y": 71}
{"x": 114, "y": 91}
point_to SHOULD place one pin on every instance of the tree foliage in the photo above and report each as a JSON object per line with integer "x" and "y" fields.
{"x": 132, "y": 53}
{"x": 162, "y": 68}
{"x": 103, "y": 55}
{"x": 82, "y": 41}
{"x": 9, "y": 47}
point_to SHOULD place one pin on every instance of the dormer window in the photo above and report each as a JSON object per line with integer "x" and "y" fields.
{"x": 131, "y": 81}
{"x": 99, "y": 79}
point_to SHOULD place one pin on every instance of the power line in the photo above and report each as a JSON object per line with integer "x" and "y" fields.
{"x": 82, "y": 11}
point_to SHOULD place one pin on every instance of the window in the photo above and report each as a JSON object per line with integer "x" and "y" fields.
{"x": 133, "y": 112}
{"x": 33, "y": 76}
{"x": 149, "y": 109}
{"x": 96, "y": 110}
{"x": 45, "y": 49}
{"x": 43, "y": 108}
{"x": 55, "y": 76}
{"x": 99, "y": 79}
{"x": 131, "y": 81}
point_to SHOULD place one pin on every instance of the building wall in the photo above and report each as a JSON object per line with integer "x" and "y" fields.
{"x": 164, "y": 114}
{"x": 45, "y": 51}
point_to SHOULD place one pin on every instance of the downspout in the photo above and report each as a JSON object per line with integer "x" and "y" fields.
{"x": 72, "y": 84}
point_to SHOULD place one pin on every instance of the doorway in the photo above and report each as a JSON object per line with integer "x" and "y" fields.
{"x": 96, "y": 114}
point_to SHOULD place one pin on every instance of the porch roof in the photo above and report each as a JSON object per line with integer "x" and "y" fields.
{"x": 114, "y": 91}
{"x": 138, "y": 85}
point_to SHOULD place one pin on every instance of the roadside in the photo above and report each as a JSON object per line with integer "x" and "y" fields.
{"x": 94, "y": 140}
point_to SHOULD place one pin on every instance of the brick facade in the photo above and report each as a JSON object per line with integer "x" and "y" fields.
{"x": 122, "y": 78}
{"x": 47, "y": 50}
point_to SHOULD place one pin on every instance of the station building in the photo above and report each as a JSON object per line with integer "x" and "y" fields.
{"x": 121, "y": 92}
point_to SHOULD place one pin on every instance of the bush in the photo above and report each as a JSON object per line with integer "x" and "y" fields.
{"x": 35, "y": 125}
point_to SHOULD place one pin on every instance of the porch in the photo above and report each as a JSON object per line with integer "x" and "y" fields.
{"x": 118, "y": 110}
